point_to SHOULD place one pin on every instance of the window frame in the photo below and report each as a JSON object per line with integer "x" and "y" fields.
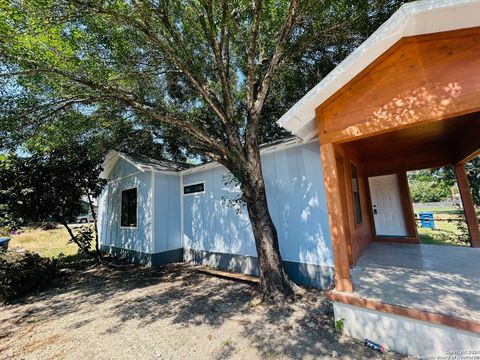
{"x": 352, "y": 168}
{"x": 136, "y": 208}
{"x": 194, "y": 193}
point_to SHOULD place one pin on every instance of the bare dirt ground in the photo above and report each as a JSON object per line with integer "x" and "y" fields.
{"x": 173, "y": 312}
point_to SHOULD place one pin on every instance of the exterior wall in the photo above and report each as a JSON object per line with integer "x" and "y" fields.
{"x": 405, "y": 335}
{"x": 166, "y": 213}
{"x": 111, "y": 233}
{"x": 217, "y": 235}
{"x": 121, "y": 169}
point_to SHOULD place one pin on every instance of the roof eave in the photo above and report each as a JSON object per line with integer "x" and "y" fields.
{"x": 423, "y": 17}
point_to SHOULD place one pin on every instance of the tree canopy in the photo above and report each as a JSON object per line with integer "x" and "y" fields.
{"x": 209, "y": 77}
{"x": 58, "y": 50}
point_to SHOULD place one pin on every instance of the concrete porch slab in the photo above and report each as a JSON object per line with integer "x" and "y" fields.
{"x": 438, "y": 279}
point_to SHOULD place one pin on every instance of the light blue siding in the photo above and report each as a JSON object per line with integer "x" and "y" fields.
{"x": 111, "y": 233}
{"x": 122, "y": 168}
{"x": 215, "y": 233}
{"x": 211, "y": 224}
{"x": 167, "y": 213}
{"x": 296, "y": 200}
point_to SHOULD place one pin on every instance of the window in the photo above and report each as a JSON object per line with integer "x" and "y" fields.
{"x": 129, "y": 208}
{"x": 194, "y": 188}
{"x": 356, "y": 196}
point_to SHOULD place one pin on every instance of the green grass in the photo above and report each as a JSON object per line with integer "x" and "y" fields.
{"x": 439, "y": 210}
{"x": 445, "y": 232}
{"x": 48, "y": 243}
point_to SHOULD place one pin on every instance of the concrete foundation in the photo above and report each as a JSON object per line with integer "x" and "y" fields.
{"x": 405, "y": 335}
{"x": 311, "y": 275}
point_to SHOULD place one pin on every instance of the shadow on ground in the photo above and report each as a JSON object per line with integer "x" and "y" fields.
{"x": 232, "y": 323}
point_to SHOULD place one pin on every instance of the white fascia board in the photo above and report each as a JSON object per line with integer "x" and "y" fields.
{"x": 110, "y": 160}
{"x": 133, "y": 163}
{"x": 422, "y": 17}
{"x": 199, "y": 168}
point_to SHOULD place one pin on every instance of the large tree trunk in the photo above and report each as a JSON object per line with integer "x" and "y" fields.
{"x": 274, "y": 283}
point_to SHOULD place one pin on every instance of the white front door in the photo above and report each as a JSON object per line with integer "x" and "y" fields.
{"x": 387, "y": 206}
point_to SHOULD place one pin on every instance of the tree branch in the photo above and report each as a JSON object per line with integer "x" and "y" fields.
{"x": 211, "y": 34}
{"x": 130, "y": 100}
{"x": 275, "y": 60}
{"x": 251, "y": 49}
{"x": 167, "y": 46}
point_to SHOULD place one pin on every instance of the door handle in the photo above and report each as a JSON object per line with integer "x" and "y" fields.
{"x": 374, "y": 211}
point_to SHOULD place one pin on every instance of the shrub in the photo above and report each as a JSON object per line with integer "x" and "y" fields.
{"x": 23, "y": 273}
{"x": 47, "y": 225}
{"x": 84, "y": 237}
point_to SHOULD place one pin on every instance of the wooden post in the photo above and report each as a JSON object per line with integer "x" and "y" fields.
{"x": 336, "y": 219}
{"x": 407, "y": 207}
{"x": 468, "y": 207}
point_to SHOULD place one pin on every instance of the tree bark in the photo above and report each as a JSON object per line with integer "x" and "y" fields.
{"x": 95, "y": 225}
{"x": 275, "y": 285}
{"x": 70, "y": 232}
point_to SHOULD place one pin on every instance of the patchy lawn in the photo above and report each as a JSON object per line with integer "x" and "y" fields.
{"x": 172, "y": 312}
{"x": 445, "y": 232}
{"x": 48, "y": 243}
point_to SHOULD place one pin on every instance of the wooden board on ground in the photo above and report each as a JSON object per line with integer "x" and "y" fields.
{"x": 229, "y": 275}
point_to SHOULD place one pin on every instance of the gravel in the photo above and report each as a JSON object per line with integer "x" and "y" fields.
{"x": 173, "y": 312}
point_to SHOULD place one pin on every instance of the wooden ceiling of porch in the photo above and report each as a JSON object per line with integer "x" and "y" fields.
{"x": 422, "y": 146}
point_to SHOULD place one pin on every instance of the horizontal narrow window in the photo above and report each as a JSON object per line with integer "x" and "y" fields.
{"x": 129, "y": 208}
{"x": 194, "y": 188}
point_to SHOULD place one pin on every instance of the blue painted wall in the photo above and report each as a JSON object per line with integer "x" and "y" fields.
{"x": 167, "y": 213}
{"x": 122, "y": 168}
{"x": 111, "y": 233}
{"x": 296, "y": 200}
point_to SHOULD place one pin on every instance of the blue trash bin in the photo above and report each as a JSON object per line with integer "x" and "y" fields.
{"x": 4, "y": 243}
{"x": 427, "y": 220}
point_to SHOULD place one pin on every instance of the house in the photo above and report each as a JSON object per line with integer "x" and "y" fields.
{"x": 158, "y": 212}
{"x": 408, "y": 98}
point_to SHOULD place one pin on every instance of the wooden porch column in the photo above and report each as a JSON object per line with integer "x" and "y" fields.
{"x": 468, "y": 207}
{"x": 407, "y": 207}
{"x": 336, "y": 219}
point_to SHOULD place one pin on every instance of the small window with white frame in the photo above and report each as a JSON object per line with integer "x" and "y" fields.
{"x": 128, "y": 218}
{"x": 191, "y": 189}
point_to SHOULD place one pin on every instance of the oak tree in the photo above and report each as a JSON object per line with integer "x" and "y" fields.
{"x": 201, "y": 70}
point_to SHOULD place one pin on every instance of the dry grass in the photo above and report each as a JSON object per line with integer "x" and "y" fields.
{"x": 49, "y": 243}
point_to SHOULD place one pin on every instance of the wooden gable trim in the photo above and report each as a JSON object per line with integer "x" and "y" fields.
{"x": 469, "y": 100}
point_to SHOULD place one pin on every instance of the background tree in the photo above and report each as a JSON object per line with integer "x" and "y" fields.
{"x": 46, "y": 188}
{"x": 426, "y": 186}
{"x": 436, "y": 184}
{"x": 198, "y": 72}
{"x": 447, "y": 174}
